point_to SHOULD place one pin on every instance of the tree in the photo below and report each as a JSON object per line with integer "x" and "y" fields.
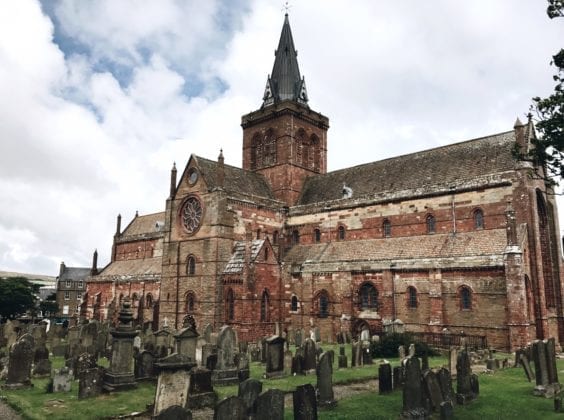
{"x": 17, "y": 296}
{"x": 49, "y": 305}
{"x": 548, "y": 150}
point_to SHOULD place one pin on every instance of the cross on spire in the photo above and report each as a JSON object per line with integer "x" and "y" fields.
{"x": 286, "y": 7}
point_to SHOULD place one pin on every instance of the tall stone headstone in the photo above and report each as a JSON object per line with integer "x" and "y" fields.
{"x": 145, "y": 366}
{"x": 19, "y": 363}
{"x": 298, "y": 337}
{"x": 385, "y": 384}
{"x": 411, "y": 350}
{"x": 445, "y": 382}
{"x": 231, "y": 408}
{"x": 200, "y": 389}
{"x": 120, "y": 375}
{"x": 249, "y": 390}
{"x": 90, "y": 382}
{"x": 342, "y": 358}
{"x": 527, "y": 367}
{"x": 226, "y": 371}
{"x": 401, "y": 352}
{"x": 464, "y": 393}
{"x": 452, "y": 359}
{"x": 275, "y": 357}
{"x": 433, "y": 389}
{"x": 185, "y": 342}
{"x": 173, "y": 382}
{"x": 62, "y": 380}
{"x": 412, "y": 393}
{"x": 325, "y": 381}
{"x": 305, "y": 403}
{"x": 309, "y": 353}
{"x": 550, "y": 345}
{"x": 270, "y": 405}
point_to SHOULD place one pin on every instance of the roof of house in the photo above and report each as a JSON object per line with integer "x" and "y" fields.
{"x": 74, "y": 273}
{"x": 445, "y": 166}
{"x": 148, "y": 223}
{"x": 237, "y": 260}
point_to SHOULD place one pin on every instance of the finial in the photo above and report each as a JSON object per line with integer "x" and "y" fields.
{"x": 518, "y": 123}
{"x": 286, "y": 7}
{"x": 529, "y": 117}
{"x": 174, "y": 166}
{"x": 136, "y": 213}
{"x": 220, "y": 154}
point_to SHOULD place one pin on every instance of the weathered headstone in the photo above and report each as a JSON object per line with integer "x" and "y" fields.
{"x": 412, "y": 393}
{"x": 185, "y": 342}
{"x": 541, "y": 368}
{"x": 200, "y": 389}
{"x": 397, "y": 373}
{"x": 226, "y": 372}
{"x": 325, "y": 381}
{"x": 445, "y": 382}
{"x": 464, "y": 392}
{"x": 317, "y": 334}
{"x": 298, "y": 337}
{"x": 206, "y": 332}
{"x": 550, "y": 345}
{"x": 90, "y": 383}
{"x": 297, "y": 364}
{"x": 255, "y": 354}
{"x": 275, "y": 358}
{"x": 173, "y": 382}
{"x": 446, "y": 410}
{"x": 145, "y": 366}
{"x": 309, "y": 353}
{"x": 527, "y": 367}
{"x": 385, "y": 384}
{"x": 19, "y": 363}
{"x": 342, "y": 359}
{"x": 174, "y": 412}
{"x": 305, "y": 403}
{"x": 401, "y": 352}
{"x": 231, "y": 408}
{"x": 62, "y": 380}
{"x": 249, "y": 390}
{"x": 270, "y": 405}
{"x": 244, "y": 371}
{"x": 433, "y": 389}
{"x": 452, "y": 358}
{"x": 411, "y": 350}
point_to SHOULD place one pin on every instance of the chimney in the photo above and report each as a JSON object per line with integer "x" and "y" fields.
{"x": 173, "y": 180}
{"x": 94, "y": 269}
{"x": 220, "y": 169}
{"x": 118, "y": 225}
{"x": 61, "y": 268}
{"x": 511, "y": 225}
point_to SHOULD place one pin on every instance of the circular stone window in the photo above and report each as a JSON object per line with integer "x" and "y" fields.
{"x": 191, "y": 214}
{"x": 192, "y": 176}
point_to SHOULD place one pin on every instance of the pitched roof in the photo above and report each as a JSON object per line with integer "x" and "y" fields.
{"x": 429, "y": 170}
{"x": 237, "y": 260}
{"x": 482, "y": 243}
{"x": 132, "y": 268}
{"x": 285, "y": 82}
{"x": 74, "y": 273}
{"x": 146, "y": 224}
{"x": 236, "y": 180}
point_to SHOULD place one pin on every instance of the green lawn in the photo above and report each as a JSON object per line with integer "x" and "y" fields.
{"x": 503, "y": 395}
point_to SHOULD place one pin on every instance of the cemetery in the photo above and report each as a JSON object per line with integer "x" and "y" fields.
{"x": 93, "y": 370}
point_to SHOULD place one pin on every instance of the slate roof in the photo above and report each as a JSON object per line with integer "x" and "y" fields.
{"x": 237, "y": 260}
{"x": 132, "y": 268}
{"x": 446, "y": 166}
{"x": 145, "y": 224}
{"x": 236, "y": 180}
{"x": 74, "y": 273}
{"x": 468, "y": 244}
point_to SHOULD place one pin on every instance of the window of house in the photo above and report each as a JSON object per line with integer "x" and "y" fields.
{"x": 230, "y": 305}
{"x": 368, "y": 297}
{"x": 412, "y": 297}
{"x": 479, "y": 219}
{"x": 68, "y": 284}
{"x": 67, "y": 295}
{"x": 191, "y": 266}
{"x": 317, "y": 236}
{"x": 294, "y": 304}
{"x": 323, "y": 310}
{"x": 465, "y": 298}
{"x": 430, "y": 224}
{"x": 341, "y": 233}
{"x": 264, "y": 306}
{"x": 80, "y": 284}
{"x": 295, "y": 237}
{"x": 387, "y": 228}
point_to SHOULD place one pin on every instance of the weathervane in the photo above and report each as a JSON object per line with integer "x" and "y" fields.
{"x": 286, "y": 7}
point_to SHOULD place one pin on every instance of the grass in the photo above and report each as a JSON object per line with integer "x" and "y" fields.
{"x": 503, "y": 395}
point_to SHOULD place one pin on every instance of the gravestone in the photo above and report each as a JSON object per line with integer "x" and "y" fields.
{"x": 263, "y": 350}
{"x": 305, "y": 403}
{"x": 288, "y": 357}
{"x": 527, "y": 367}
{"x": 231, "y": 408}
{"x": 88, "y": 338}
{"x": 200, "y": 389}
{"x": 425, "y": 361}
{"x": 412, "y": 393}
{"x": 411, "y": 350}
{"x": 452, "y": 358}
{"x": 317, "y": 334}
{"x": 385, "y": 384}
{"x": 342, "y": 359}
{"x": 243, "y": 367}
{"x": 275, "y": 357}
{"x": 145, "y": 366}
{"x": 475, "y": 385}
{"x": 550, "y": 345}
{"x": 297, "y": 364}
{"x": 90, "y": 382}
{"x": 42, "y": 368}
{"x": 173, "y": 382}
{"x": 401, "y": 352}
{"x": 249, "y": 390}
{"x": 270, "y": 405}
{"x": 226, "y": 372}
{"x": 309, "y": 353}
{"x": 397, "y": 374}
{"x": 325, "y": 381}
{"x": 19, "y": 363}
{"x": 464, "y": 393}
{"x": 445, "y": 382}
{"x": 185, "y": 342}
{"x": 207, "y": 351}
{"x": 365, "y": 335}
{"x": 541, "y": 368}
{"x": 446, "y": 410}
{"x": 62, "y": 380}
{"x": 85, "y": 361}
{"x": 206, "y": 332}
{"x": 433, "y": 389}
{"x": 298, "y": 337}
{"x": 255, "y": 354}
{"x": 174, "y": 412}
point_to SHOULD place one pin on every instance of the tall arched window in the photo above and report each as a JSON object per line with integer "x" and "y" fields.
{"x": 305, "y": 153}
{"x": 255, "y": 151}
{"x": 275, "y": 237}
{"x": 265, "y": 306}
{"x": 317, "y": 235}
{"x": 191, "y": 265}
{"x": 323, "y": 304}
{"x": 134, "y": 300}
{"x": 300, "y": 140}
{"x": 412, "y": 297}
{"x": 294, "y": 304}
{"x": 190, "y": 302}
{"x": 295, "y": 237}
{"x": 387, "y": 228}
{"x": 465, "y": 298}
{"x": 368, "y": 297}
{"x": 316, "y": 152}
{"x": 431, "y": 224}
{"x": 269, "y": 155}
{"x": 478, "y": 219}
{"x": 341, "y": 233}
{"x": 230, "y": 305}
{"x": 149, "y": 300}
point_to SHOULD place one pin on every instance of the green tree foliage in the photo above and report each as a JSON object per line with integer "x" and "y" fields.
{"x": 17, "y": 295}
{"x": 49, "y": 305}
{"x": 548, "y": 152}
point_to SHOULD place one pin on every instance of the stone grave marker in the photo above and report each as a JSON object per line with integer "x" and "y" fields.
{"x": 298, "y": 337}
{"x": 270, "y": 405}
{"x": 249, "y": 390}
{"x": 309, "y": 353}
{"x": 255, "y": 354}
{"x": 385, "y": 384}
{"x": 412, "y": 392}
{"x": 174, "y": 412}
{"x": 397, "y": 374}
{"x": 231, "y": 408}
{"x": 527, "y": 367}
{"x": 144, "y": 368}
{"x": 401, "y": 352}
{"x": 200, "y": 389}
{"x": 62, "y": 380}
{"x": 226, "y": 372}
{"x": 433, "y": 389}
{"x": 243, "y": 367}
{"x": 411, "y": 350}
{"x": 90, "y": 383}
{"x": 342, "y": 359}
{"x": 317, "y": 334}
{"x": 452, "y": 358}
{"x": 446, "y": 410}
{"x": 173, "y": 382}
{"x": 325, "y": 381}
{"x": 464, "y": 392}
{"x": 541, "y": 368}
{"x": 206, "y": 332}
{"x": 550, "y": 345}
{"x": 275, "y": 359}
{"x": 19, "y": 363}
{"x": 305, "y": 403}
{"x": 445, "y": 383}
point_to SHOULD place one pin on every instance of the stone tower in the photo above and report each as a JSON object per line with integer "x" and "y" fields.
{"x": 285, "y": 140}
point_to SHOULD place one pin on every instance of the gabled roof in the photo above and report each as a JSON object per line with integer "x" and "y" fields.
{"x": 132, "y": 268}
{"x": 285, "y": 82}
{"x": 236, "y": 180}
{"x": 74, "y": 273}
{"x": 429, "y": 170}
{"x": 146, "y": 224}
{"x": 237, "y": 260}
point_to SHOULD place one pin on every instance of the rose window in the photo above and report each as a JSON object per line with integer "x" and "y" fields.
{"x": 192, "y": 214}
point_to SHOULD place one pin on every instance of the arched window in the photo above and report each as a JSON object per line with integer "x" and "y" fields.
{"x": 269, "y": 157}
{"x": 430, "y": 224}
{"x": 317, "y": 235}
{"x": 465, "y": 298}
{"x": 478, "y": 219}
{"x": 341, "y": 233}
{"x": 230, "y": 305}
{"x": 387, "y": 228}
{"x": 264, "y": 306}
{"x": 149, "y": 300}
{"x": 300, "y": 140}
{"x": 191, "y": 265}
{"x": 255, "y": 151}
{"x": 412, "y": 297}
{"x": 134, "y": 300}
{"x": 190, "y": 302}
{"x": 275, "y": 237}
{"x": 295, "y": 237}
{"x": 294, "y": 304}
{"x": 120, "y": 298}
{"x": 323, "y": 304}
{"x": 316, "y": 152}
{"x": 368, "y": 297}
{"x": 305, "y": 153}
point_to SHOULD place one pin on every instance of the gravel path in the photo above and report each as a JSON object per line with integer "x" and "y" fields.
{"x": 7, "y": 413}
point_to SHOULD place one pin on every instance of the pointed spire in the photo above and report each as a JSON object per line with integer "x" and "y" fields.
{"x": 285, "y": 82}
{"x": 220, "y": 169}
{"x": 518, "y": 123}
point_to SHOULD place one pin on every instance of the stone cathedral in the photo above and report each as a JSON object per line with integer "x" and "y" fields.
{"x": 459, "y": 238}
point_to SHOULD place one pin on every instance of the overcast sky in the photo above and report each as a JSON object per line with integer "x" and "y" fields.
{"x": 99, "y": 98}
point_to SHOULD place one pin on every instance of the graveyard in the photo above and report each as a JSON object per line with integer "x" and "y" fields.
{"x": 96, "y": 371}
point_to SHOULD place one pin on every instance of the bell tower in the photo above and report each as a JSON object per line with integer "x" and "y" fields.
{"x": 285, "y": 140}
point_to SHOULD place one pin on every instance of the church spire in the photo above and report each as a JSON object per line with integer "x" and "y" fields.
{"x": 285, "y": 82}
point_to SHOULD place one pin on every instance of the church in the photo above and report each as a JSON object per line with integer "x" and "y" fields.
{"x": 455, "y": 239}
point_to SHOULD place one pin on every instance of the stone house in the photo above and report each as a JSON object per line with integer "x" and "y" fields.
{"x": 458, "y": 238}
{"x": 70, "y": 289}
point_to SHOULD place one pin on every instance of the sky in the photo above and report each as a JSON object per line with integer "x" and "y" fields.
{"x": 99, "y": 98}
